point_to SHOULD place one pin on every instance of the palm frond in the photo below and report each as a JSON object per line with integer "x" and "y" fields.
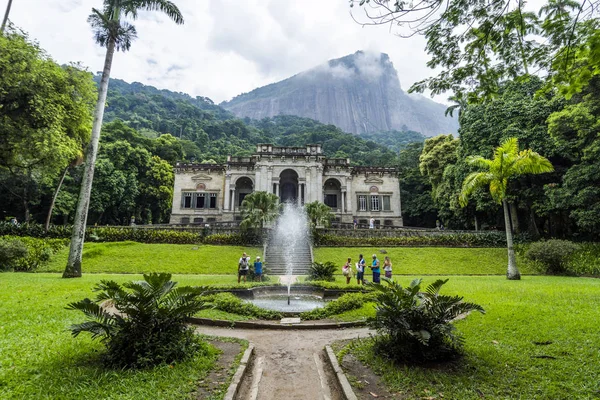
{"x": 131, "y": 7}
{"x": 473, "y": 181}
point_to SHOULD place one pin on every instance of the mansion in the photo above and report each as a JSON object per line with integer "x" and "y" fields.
{"x": 207, "y": 193}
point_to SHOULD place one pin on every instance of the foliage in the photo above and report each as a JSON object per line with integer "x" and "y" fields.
{"x": 149, "y": 325}
{"x": 417, "y": 326}
{"x": 553, "y": 254}
{"x": 11, "y": 250}
{"x": 122, "y": 234}
{"x": 37, "y": 252}
{"x": 322, "y": 271}
{"x": 231, "y": 303}
{"x": 585, "y": 261}
{"x": 319, "y": 214}
{"x": 344, "y": 303}
{"x": 259, "y": 208}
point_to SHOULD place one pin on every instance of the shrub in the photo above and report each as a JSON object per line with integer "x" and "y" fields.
{"x": 322, "y": 271}
{"x": 346, "y": 302}
{"x": 11, "y": 250}
{"x": 38, "y": 251}
{"x": 552, "y": 254}
{"x": 116, "y": 234}
{"x": 230, "y": 303}
{"x": 149, "y": 325}
{"x": 417, "y": 326}
{"x": 586, "y": 260}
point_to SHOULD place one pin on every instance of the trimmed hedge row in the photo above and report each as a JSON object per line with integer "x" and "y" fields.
{"x": 483, "y": 239}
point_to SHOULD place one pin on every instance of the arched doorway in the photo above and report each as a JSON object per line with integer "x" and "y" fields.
{"x": 243, "y": 187}
{"x": 332, "y": 193}
{"x": 288, "y": 186}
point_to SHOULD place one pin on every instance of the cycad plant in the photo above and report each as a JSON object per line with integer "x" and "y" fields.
{"x": 112, "y": 32}
{"x": 142, "y": 323}
{"x": 258, "y": 209}
{"x": 508, "y": 162}
{"x": 417, "y": 326}
{"x": 322, "y": 271}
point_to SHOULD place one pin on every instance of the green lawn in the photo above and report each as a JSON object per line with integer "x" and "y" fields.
{"x": 39, "y": 358}
{"x": 429, "y": 260}
{"x": 503, "y": 361}
{"x": 137, "y": 258}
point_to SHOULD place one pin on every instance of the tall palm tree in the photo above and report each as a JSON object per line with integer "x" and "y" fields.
{"x": 114, "y": 34}
{"x": 5, "y": 19}
{"x": 259, "y": 208}
{"x": 508, "y": 162}
{"x": 318, "y": 214}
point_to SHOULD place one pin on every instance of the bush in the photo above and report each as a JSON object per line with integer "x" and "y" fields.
{"x": 116, "y": 234}
{"x": 346, "y": 302}
{"x": 552, "y": 254}
{"x": 322, "y": 271}
{"x": 586, "y": 260}
{"x": 11, "y": 250}
{"x": 38, "y": 252}
{"x": 417, "y": 326}
{"x": 149, "y": 325}
{"x": 230, "y": 303}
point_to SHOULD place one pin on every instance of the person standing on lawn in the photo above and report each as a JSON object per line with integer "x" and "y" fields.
{"x": 243, "y": 267}
{"x": 258, "y": 269}
{"x": 376, "y": 270}
{"x": 360, "y": 270}
{"x": 387, "y": 267}
{"x": 347, "y": 270}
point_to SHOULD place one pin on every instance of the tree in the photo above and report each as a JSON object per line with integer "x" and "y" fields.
{"x": 115, "y": 34}
{"x": 5, "y": 19}
{"x": 508, "y": 162}
{"x": 319, "y": 214}
{"x": 258, "y": 209}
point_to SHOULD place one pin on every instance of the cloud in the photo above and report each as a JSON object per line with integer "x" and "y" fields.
{"x": 225, "y": 47}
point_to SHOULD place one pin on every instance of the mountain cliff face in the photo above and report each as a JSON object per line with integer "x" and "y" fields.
{"x": 359, "y": 93}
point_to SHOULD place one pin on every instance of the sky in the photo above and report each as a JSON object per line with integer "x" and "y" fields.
{"x": 225, "y": 47}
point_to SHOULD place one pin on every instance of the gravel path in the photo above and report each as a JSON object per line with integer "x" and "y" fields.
{"x": 288, "y": 364}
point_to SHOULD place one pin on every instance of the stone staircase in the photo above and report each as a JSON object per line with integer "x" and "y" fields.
{"x": 275, "y": 257}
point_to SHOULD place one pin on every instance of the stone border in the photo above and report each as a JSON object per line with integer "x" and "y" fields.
{"x": 274, "y": 325}
{"x": 236, "y": 381}
{"x": 347, "y": 391}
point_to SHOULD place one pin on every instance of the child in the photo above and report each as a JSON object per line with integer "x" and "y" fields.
{"x": 387, "y": 267}
{"x": 347, "y": 271}
{"x": 360, "y": 270}
{"x": 258, "y": 269}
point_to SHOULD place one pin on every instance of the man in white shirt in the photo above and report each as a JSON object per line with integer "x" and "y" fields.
{"x": 243, "y": 267}
{"x": 372, "y": 223}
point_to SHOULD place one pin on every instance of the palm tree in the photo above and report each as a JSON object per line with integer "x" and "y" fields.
{"x": 115, "y": 34}
{"x": 5, "y": 19}
{"x": 508, "y": 162}
{"x": 259, "y": 208}
{"x": 318, "y": 214}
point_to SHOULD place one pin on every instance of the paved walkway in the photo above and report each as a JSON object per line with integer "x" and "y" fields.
{"x": 288, "y": 364}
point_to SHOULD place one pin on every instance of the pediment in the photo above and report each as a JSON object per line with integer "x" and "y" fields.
{"x": 373, "y": 179}
{"x": 201, "y": 177}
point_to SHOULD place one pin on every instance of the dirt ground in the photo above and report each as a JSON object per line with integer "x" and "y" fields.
{"x": 216, "y": 381}
{"x": 289, "y": 364}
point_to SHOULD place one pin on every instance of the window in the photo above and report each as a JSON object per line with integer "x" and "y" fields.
{"x": 388, "y": 222}
{"x": 374, "y": 203}
{"x": 331, "y": 200}
{"x": 198, "y": 220}
{"x": 386, "y": 203}
{"x": 213, "y": 200}
{"x": 200, "y": 200}
{"x": 187, "y": 200}
{"x": 185, "y": 220}
{"x": 241, "y": 198}
{"x": 362, "y": 203}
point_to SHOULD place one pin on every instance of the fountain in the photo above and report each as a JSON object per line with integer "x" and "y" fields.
{"x": 291, "y": 232}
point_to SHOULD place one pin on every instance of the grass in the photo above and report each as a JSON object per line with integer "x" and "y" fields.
{"x": 137, "y": 258}
{"x": 429, "y": 260}
{"x": 503, "y": 360}
{"x": 39, "y": 358}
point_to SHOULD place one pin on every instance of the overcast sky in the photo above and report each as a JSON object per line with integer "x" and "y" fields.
{"x": 225, "y": 47}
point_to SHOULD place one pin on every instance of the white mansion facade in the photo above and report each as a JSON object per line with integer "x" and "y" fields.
{"x": 206, "y": 193}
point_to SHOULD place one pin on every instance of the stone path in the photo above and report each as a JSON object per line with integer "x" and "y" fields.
{"x": 288, "y": 364}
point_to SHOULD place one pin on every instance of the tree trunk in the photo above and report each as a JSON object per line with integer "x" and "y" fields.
{"x": 512, "y": 272}
{"x": 533, "y": 228}
{"x": 73, "y": 268}
{"x": 476, "y": 222}
{"x": 5, "y": 20}
{"x": 514, "y": 218}
{"x": 49, "y": 216}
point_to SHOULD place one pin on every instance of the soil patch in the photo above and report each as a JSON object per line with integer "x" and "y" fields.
{"x": 366, "y": 384}
{"x": 217, "y": 381}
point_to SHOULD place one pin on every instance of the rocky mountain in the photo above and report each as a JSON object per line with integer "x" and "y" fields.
{"x": 359, "y": 93}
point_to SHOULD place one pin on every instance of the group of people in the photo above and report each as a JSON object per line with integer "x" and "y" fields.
{"x": 244, "y": 268}
{"x": 360, "y": 269}
{"x": 371, "y": 223}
